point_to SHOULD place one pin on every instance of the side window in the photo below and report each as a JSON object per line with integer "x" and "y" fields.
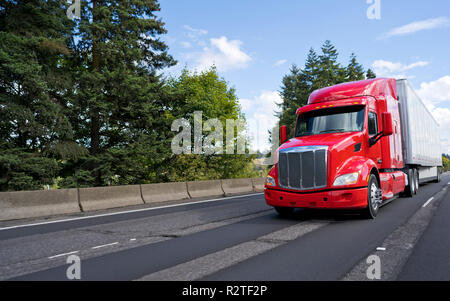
{"x": 373, "y": 124}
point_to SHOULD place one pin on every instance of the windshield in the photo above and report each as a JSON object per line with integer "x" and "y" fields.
{"x": 332, "y": 120}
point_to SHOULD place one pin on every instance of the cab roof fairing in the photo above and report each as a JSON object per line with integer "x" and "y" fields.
{"x": 362, "y": 101}
{"x": 370, "y": 87}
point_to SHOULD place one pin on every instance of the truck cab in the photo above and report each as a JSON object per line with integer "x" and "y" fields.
{"x": 346, "y": 152}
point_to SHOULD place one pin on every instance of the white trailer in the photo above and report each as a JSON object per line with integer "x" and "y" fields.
{"x": 420, "y": 135}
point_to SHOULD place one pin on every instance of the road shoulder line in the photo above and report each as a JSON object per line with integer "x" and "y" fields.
{"x": 398, "y": 246}
{"x": 126, "y": 212}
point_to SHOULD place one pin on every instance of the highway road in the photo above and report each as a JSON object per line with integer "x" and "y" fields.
{"x": 235, "y": 238}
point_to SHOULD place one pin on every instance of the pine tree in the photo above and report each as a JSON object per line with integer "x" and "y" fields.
{"x": 320, "y": 71}
{"x": 34, "y": 131}
{"x": 117, "y": 105}
{"x": 312, "y": 67}
{"x": 330, "y": 71}
{"x": 354, "y": 70}
{"x": 295, "y": 92}
{"x": 370, "y": 74}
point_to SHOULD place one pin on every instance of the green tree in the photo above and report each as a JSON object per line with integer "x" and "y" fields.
{"x": 117, "y": 105}
{"x": 330, "y": 71}
{"x": 294, "y": 92}
{"x": 320, "y": 71}
{"x": 354, "y": 70}
{"x": 445, "y": 163}
{"x": 208, "y": 93}
{"x": 34, "y": 130}
{"x": 370, "y": 74}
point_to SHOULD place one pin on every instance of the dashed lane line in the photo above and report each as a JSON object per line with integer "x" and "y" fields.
{"x": 214, "y": 262}
{"x": 427, "y": 202}
{"x": 107, "y": 245}
{"x": 185, "y": 231}
{"x": 63, "y": 254}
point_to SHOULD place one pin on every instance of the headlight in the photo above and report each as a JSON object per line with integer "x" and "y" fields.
{"x": 270, "y": 181}
{"x": 347, "y": 179}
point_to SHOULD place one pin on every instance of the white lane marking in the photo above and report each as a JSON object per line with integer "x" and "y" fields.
{"x": 381, "y": 249}
{"x": 427, "y": 202}
{"x": 107, "y": 245}
{"x": 214, "y": 262}
{"x": 63, "y": 254}
{"x": 132, "y": 239}
{"x": 448, "y": 183}
{"x": 129, "y": 211}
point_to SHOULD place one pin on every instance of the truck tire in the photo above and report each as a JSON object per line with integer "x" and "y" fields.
{"x": 373, "y": 198}
{"x": 410, "y": 189}
{"x": 416, "y": 181}
{"x": 284, "y": 211}
{"x": 438, "y": 176}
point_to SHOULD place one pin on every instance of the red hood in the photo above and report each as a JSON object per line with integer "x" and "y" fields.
{"x": 332, "y": 140}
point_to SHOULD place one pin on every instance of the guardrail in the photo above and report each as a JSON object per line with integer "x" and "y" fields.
{"x": 41, "y": 203}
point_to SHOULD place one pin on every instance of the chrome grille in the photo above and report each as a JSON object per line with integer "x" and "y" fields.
{"x": 303, "y": 167}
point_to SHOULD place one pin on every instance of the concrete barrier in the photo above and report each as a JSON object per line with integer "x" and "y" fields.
{"x": 155, "y": 193}
{"x": 97, "y": 198}
{"x": 199, "y": 189}
{"x": 258, "y": 184}
{"x": 25, "y": 204}
{"x": 236, "y": 186}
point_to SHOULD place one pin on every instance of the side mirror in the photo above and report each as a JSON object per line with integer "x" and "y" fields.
{"x": 386, "y": 120}
{"x": 283, "y": 134}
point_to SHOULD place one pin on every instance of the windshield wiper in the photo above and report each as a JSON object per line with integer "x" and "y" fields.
{"x": 332, "y": 131}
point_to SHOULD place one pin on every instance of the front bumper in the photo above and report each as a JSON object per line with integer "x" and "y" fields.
{"x": 353, "y": 198}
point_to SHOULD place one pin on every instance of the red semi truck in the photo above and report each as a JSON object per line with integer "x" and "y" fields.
{"x": 357, "y": 145}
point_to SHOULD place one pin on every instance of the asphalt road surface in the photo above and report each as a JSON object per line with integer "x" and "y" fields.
{"x": 237, "y": 238}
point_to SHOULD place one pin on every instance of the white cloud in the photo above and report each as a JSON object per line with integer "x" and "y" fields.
{"x": 442, "y": 116}
{"x": 280, "y": 62}
{"x": 384, "y": 68}
{"x": 445, "y": 145}
{"x": 224, "y": 54}
{"x": 186, "y": 44}
{"x": 246, "y": 104}
{"x": 436, "y": 93}
{"x": 195, "y": 31}
{"x": 259, "y": 113}
{"x": 418, "y": 26}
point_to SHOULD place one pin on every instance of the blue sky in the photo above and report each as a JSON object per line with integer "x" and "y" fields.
{"x": 253, "y": 43}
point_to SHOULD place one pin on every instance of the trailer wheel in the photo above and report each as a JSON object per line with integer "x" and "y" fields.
{"x": 438, "y": 176}
{"x": 410, "y": 189}
{"x": 284, "y": 211}
{"x": 373, "y": 198}
{"x": 416, "y": 181}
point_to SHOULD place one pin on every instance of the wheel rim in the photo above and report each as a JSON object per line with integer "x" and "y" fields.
{"x": 413, "y": 183}
{"x": 417, "y": 181}
{"x": 374, "y": 199}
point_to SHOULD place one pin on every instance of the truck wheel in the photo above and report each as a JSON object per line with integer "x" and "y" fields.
{"x": 438, "y": 176}
{"x": 410, "y": 189}
{"x": 416, "y": 181}
{"x": 284, "y": 211}
{"x": 373, "y": 198}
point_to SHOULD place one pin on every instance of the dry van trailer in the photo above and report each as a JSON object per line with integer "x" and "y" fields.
{"x": 420, "y": 136}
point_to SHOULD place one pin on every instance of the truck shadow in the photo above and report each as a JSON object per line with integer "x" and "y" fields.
{"x": 301, "y": 214}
